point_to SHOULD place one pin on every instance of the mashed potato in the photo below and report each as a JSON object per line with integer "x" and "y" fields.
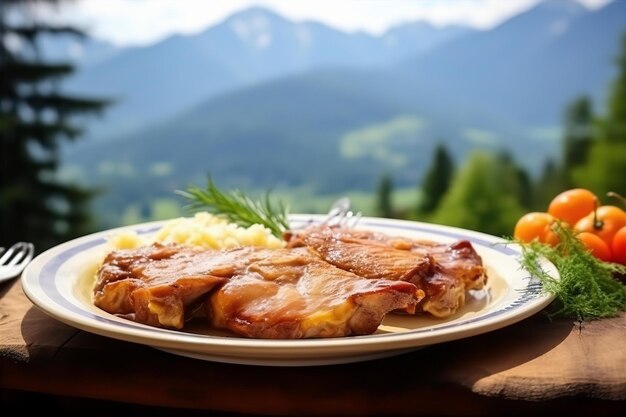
{"x": 204, "y": 230}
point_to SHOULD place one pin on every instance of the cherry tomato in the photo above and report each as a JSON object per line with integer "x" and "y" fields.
{"x": 536, "y": 226}
{"x": 572, "y": 205}
{"x": 596, "y": 246}
{"x": 619, "y": 246}
{"x": 604, "y": 222}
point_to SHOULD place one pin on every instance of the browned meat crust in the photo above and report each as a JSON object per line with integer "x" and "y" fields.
{"x": 292, "y": 293}
{"x": 443, "y": 271}
{"x": 284, "y": 293}
{"x": 158, "y": 284}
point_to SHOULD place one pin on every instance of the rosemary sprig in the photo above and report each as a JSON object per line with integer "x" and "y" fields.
{"x": 587, "y": 288}
{"x": 238, "y": 208}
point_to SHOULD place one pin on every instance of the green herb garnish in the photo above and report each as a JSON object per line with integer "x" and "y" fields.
{"x": 587, "y": 288}
{"x": 238, "y": 208}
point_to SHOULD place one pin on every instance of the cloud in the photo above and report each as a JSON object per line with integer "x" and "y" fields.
{"x": 128, "y": 22}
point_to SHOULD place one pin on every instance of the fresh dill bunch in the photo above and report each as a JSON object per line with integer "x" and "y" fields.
{"x": 238, "y": 208}
{"x": 587, "y": 288}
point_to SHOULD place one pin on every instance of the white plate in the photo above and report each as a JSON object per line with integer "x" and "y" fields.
{"x": 59, "y": 282}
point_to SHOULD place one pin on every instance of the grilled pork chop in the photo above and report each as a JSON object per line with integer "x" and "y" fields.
{"x": 159, "y": 284}
{"x": 444, "y": 272}
{"x": 292, "y": 293}
{"x": 262, "y": 293}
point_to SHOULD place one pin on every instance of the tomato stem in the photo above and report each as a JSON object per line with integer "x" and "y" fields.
{"x": 597, "y": 224}
{"x": 618, "y": 196}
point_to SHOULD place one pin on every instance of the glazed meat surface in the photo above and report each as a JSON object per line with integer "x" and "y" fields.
{"x": 262, "y": 293}
{"x": 292, "y": 293}
{"x": 444, "y": 272}
{"x": 160, "y": 284}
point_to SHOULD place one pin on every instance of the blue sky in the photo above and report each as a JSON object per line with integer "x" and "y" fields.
{"x": 140, "y": 22}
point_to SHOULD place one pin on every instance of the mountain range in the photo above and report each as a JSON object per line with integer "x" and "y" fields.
{"x": 260, "y": 101}
{"x": 529, "y": 67}
{"x": 249, "y": 47}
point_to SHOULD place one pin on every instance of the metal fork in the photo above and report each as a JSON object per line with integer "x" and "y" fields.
{"x": 340, "y": 214}
{"x": 15, "y": 259}
{"x": 350, "y": 220}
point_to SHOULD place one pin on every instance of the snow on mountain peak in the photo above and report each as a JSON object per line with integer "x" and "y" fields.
{"x": 254, "y": 30}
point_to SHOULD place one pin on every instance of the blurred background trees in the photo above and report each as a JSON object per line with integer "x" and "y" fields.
{"x": 490, "y": 191}
{"x": 402, "y": 132}
{"x": 577, "y": 139}
{"x": 35, "y": 116}
{"x": 481, "y": 197}
{"x": 436, "y": 181}
{"x": 384, "y": 192}
{"x": 605, "y": 168}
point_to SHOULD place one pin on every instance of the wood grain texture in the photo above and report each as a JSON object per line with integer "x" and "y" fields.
{"x": 536, "y": 365}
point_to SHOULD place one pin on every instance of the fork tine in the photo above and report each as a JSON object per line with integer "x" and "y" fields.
{"x": 353, "y": 220}
{"x": 337, "y": 212}
{"x": 8, "y": 254}
{"x": 30, "y": 252}
{"x": 20, "y": 253}
{"x": 339, "y": 208}
{"x": 350, "y": 219}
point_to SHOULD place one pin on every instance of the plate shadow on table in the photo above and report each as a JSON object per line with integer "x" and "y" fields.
{"x": 376, "y": 387}
{"x": 513, "y": 345}
{"x": 5, "y": 287}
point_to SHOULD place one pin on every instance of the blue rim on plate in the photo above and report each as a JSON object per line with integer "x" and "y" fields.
{"x": 58, "y": 282}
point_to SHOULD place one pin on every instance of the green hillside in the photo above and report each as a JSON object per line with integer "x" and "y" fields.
{"x": 327, "y": 131}
{"x": 341, "y": 123}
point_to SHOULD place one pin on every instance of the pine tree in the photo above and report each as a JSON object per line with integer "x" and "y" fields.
{"x": 576, "y": 143}
{"x": 34, "y": 118}
{"x": 436, "y": 181}
{"x": 384, "y": 191}
{"x": 515, "y": 179}
{"x": 578, "y": 137}
{"x": 549, "y": 184}
{"x": 605, "y": 169}
{"x": 479, "y": 198}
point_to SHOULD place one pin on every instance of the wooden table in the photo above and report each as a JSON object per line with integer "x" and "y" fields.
{"x": 534, "y": 366}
